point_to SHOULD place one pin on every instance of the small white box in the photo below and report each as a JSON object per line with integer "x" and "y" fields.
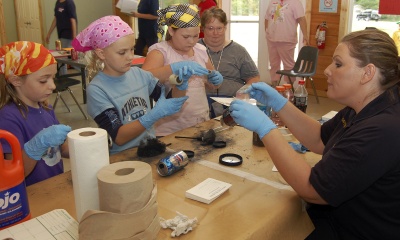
{"x": 208, "y": 190}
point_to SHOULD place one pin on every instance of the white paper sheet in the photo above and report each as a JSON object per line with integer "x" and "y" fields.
{"x": 226, "y": 101}
{"x": 127, "y": 6}
{"x": 54, "y": 225}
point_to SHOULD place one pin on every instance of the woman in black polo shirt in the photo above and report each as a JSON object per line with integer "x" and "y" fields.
{"x": 353, "y": 192}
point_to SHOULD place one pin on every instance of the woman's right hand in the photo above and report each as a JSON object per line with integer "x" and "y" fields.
{"x": 267, "y": 95}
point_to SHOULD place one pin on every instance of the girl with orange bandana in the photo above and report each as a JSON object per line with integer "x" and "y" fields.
{"x": 27, "y": 71}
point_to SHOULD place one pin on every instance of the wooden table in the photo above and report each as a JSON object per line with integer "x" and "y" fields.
{"x": 81, "y": 64}
{"x": 258, "y": 205}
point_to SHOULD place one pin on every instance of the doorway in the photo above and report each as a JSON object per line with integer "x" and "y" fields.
{"x": 244, "y": 25}
{"x": 29, "y": 20}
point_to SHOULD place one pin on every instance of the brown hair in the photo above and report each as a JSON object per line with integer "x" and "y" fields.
{"x": 9, "y": 95}
{"x": 167, "y": 35}
{"x": 376, "y": 47}
{"x": 211, "y": 13}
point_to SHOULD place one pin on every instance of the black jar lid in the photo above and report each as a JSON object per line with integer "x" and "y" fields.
{"x": 230, "y": 159}
{"x": 219, "y": 144}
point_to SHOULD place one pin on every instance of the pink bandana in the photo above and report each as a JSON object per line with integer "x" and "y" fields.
{"x": 101, "y": 33}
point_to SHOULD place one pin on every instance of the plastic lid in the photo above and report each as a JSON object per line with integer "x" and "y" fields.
{"x": 301, "y": 81}
{"x": 219, "y": 144}
{"x": 230, "y": 159}
{"x": 287, "y": 86}
{"x": 280, "y": 88}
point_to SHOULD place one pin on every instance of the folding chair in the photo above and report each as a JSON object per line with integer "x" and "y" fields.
{"x": 63, "y": 84}
{"x": 305, "y": 67}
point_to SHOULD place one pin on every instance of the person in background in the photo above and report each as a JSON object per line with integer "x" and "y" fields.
{"x": 396, "y": 37}
{"x": 66, "y": 21}
{"x": 281, "y": 21}
{"x": 119, "y": 95}
{"x": 183, "y": 23}
{"x": 203, "y": 6}
{"x": 353, "y": 192}
{"x": 147, "y": 23}
{"x": 228, "y": 57}
{"x": 27, "y": 70}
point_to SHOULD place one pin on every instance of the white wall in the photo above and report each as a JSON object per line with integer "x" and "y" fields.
{"x": 86, "y": 10}
{"x": 263, "y": 60}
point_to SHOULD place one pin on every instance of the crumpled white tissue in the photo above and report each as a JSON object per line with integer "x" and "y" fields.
{"x": 52, "y": 156}
{"x": 180, "y": 224}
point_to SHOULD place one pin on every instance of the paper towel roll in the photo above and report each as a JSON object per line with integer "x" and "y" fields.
{"x": 88, "y": 152}
{"x": 124, "y": 187}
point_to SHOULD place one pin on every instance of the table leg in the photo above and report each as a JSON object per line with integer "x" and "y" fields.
{"x": 83, "y": 75}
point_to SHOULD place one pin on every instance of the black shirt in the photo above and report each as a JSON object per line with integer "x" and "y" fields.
{"x": 359, "y": 174}
{"x": 64, "y": 11}
{"x": 147, "y": 27}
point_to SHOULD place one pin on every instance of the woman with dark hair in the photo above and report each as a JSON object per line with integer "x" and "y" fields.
{"x": 353, "y": 192}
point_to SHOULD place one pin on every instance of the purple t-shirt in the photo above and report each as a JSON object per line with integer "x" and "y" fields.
{"x": 25, "y": 129}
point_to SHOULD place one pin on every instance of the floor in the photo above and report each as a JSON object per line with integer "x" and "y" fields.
{"x": 76, "y": 120}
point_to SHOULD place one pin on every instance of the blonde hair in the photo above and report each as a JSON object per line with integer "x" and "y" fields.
{"x": 95, "y": 64}
{"x": 9, "y": 95}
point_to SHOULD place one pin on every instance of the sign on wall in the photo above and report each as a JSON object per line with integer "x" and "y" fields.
{"x": 329, "y": 6}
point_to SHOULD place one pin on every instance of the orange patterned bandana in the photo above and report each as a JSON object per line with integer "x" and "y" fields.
{"x": 22, "y": 58}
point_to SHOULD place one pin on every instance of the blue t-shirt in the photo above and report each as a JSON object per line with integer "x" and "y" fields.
{"x": 129, "y": 94}
{"x": 25, "y": 129}
{"x": 64, "y": 11}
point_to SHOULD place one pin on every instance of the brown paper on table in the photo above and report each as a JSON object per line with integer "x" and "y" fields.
{"x": 128, "y": 206}
{"x": 124, "y": 187}
{"x": 107, "y": 225}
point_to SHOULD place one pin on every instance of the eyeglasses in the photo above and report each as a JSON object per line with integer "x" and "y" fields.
{"x": 215, "y": 29}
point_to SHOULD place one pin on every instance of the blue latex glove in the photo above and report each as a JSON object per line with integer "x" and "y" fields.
{"x": 298, "y": 147}
{"x": 185, "y": 69}
{"x": 251, "y": 117}
{"x": 215, "y": 78}
{"x": 52, "y": 136}
{"x": 164, "y": 107}
{"x": 267, "y": 95}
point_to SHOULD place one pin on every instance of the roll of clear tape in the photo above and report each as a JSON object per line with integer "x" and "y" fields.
{"x": 174, "y": 79}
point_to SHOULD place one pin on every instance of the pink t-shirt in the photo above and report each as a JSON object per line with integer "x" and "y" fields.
{"x": 282, "y": 18}
{"x": 195, "y": 110}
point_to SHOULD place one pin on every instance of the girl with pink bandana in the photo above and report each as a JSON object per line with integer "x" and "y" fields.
{"x": 119, "y": 95}
{"x": 27, "y": 70}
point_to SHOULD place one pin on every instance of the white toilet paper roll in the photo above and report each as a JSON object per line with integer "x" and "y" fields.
{"x": 88, "y": 151}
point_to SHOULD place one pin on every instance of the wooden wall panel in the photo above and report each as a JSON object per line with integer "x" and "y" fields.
{"x": 3, "y": 38}
{"x": 325, "y": 55}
